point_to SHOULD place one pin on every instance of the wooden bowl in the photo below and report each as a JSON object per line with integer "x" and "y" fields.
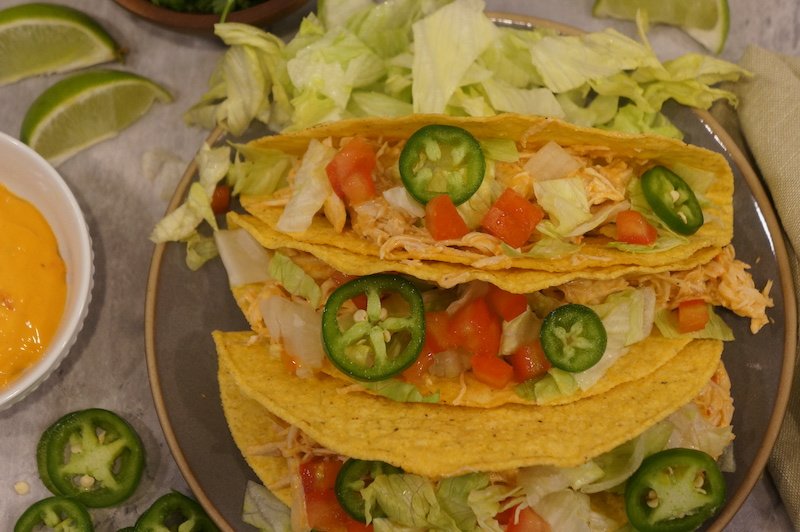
{"x": 257, "y": 15}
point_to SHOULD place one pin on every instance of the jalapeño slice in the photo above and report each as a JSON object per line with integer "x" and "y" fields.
{"x": 439, "y": 159}
{"x": 93, "y": 456}
{"x": 175, "y": 511}
{"x": 354, "y": 476}
{"x": 673, "y": 201}
{"x": 55, "y": 513}
{"x": 375, "y": 343}
{"x": 573, "y": 337}
{"x": 674, "y": 490}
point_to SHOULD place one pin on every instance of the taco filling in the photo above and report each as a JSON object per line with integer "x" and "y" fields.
{"x": 327, "y": 490}
{"x": 475, "y": 194}
{"x": 479, "y": 345}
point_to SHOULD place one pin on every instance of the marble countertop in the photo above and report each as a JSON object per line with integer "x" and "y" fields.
{"x": 106, "y": 367}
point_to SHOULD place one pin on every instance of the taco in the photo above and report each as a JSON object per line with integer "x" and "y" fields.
{"x": 476, "y": 344}
{"x": 500, "y": 192}
{"x": 474, "y": 469}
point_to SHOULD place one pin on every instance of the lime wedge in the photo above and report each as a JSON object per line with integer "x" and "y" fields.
{"x": 45, "y": 38}
{"x": 86, "y": 108}
{"x": 707, "y": 21}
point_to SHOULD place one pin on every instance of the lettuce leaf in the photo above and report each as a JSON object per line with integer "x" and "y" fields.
{"x": 264, "y": 511}
{"x": 400, "y": 391}
{"x": 311, "y": 187}
{"x": 438, "y": 65}
{"x": 294, "y": 279}
{"x": 715, "y": 329}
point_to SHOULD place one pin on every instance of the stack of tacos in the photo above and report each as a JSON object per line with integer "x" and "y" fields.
{"x": 508, "y": 323}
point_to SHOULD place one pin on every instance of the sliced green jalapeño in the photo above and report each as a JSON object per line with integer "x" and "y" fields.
{"x": 380, "y": 341}
{"x": 55, "y": 513}
{"x": 439, "y": 159}
{"x": 354, "y": 476}
{"x": 175, "y": 511}
{"x": 93, "y": 456}
{"x": 674, "y": 490}
{"x": 673, "y": 201}
{"x": 573, "y": 337}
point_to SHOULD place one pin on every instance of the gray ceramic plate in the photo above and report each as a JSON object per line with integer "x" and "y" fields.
{"x": 183, "y": 307}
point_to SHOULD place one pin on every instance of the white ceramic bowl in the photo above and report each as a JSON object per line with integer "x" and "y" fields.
{"x": 27, "y": 175}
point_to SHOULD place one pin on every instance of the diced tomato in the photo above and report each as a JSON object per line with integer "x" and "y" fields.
{"x": 416, "y": 371}
{"x": 528, "y": 521}
{"x": 221, "y": 199}
{"x": 350, "y": 171}
{"x": 323, "y": 511}
{"x": 443, "y": 220}
{"x": 319, "y": 474}
{"x": 492, "y": 370}
{"x": 505, "y": 304}
{"x": 529, "y": 361}
{"x": 438, "y": 332}
{"x": 512, "y": 218}
{"x": 476, "y": 328}
{"x": 632, "y": 228}
{"x": 289, "y": 362}
{"x": 692, "y": 315}
{"x": 339, "y": 278}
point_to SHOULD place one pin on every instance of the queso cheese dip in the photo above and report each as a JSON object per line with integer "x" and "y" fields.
{"x": 33, "y": 285}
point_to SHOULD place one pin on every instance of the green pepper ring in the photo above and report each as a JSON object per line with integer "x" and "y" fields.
{"x": 658, "y": 185}
{"x": 169, "y": 506}
{"x": 335, "y": 341}
{"x": 61, "y": 506}
{"x": 648, "y": 477}
{"x": 59, "y": 476}
{"x": 458, "y": 140}
{"x": 352, "y": 471}
{"x": 593, "y": 337}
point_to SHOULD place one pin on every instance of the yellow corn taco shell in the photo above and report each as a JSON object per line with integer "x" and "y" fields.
{"x": 530, "y": 133}
{"x": 446, "y": 275}
{"x": 504, "y": 438}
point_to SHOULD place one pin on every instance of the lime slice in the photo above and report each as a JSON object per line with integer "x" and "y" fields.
{"x": 86, "y": 108}
{"x": 707, "y": 21}
{"x": 44, "y": 38}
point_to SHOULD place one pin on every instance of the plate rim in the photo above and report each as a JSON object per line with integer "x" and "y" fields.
{"x": 757, "y": 190}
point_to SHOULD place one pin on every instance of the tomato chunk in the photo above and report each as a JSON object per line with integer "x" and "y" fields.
{"x": 632, "y": 228}
{"x": 476, "y": 328}
{"x": 350, "y": 171}
{"x": 505, "y": 304}
{"x": 221, "y": 199}
{"x": 512, "y": 218}
{"x": 692, "y": 315}
{"x": 323, "y": 511}
{"x": 528, "y": 521}
{"x": 492, "y": 370}
{"x": 443, "y": 220}
{"x": 529, "y": 361}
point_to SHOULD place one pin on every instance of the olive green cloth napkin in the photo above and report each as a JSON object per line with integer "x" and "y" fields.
{"x": 769, "y": 121}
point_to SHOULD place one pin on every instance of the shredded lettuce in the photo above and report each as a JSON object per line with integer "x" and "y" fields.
{"x": 715, "y": 329}
{"x": 294, "y": 279}
{"x": 311, "y": 187}
{"x": 264, "y": 511}
{"x": 258, "y": 170}
{"x": 565, "y": 201}
{"x": 498, "y": 149}
{"x": 461, "y": 503}
{"x": 400, "y": 391}
{"x": 439, "y": 65}
{"x": 245, "y": 260}
{"x": 522, "y": 330}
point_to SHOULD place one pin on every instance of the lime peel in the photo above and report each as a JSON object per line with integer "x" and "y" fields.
{"x": 706, "y": 21}
{"x": 41, "y": 38}
{"x": 85, "y": 109}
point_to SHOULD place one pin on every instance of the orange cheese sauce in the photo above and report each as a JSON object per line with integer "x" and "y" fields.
{"x": 33, "y": 286}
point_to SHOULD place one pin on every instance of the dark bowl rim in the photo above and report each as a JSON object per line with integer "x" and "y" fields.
{"x": 262, "y": 13}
